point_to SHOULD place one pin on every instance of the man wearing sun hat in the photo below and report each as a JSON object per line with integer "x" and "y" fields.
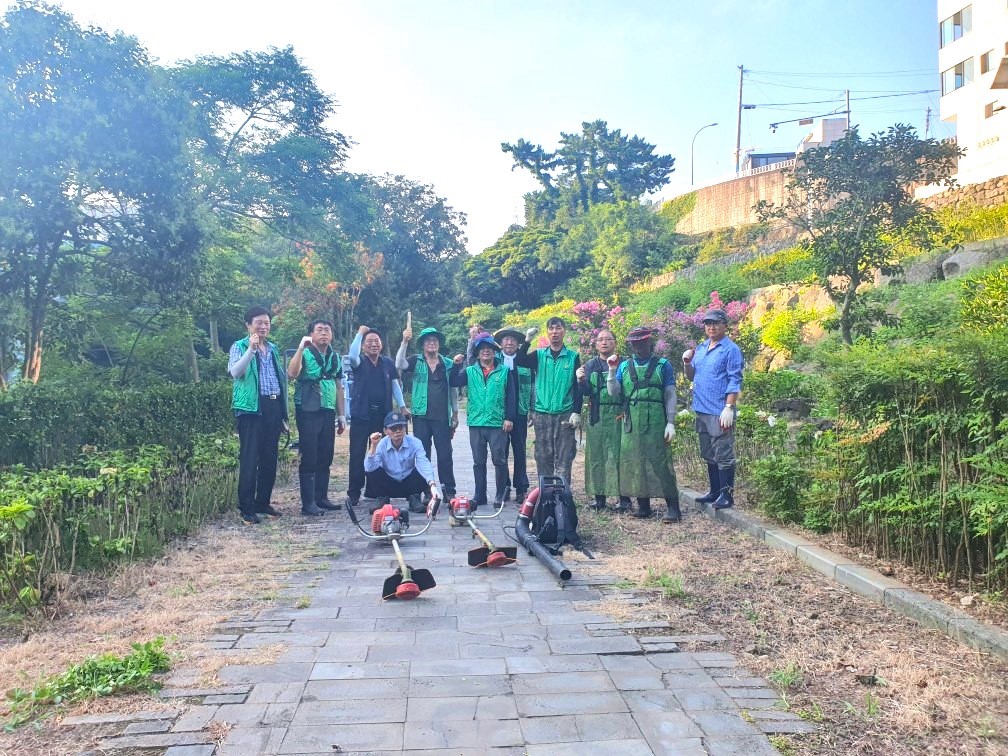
{"x": 396, "y": 466}
{"x": 715, "y": 367}
{"x": 490, "y": 413}
{"x": 435, "y": 403}
{"x": 509, "y": 340}
{"x": 647, "y": 384}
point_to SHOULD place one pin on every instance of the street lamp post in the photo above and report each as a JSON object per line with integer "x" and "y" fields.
{"x": 691, "y": 149}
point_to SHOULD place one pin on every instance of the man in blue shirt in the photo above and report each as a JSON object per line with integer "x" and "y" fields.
{"x": 396, "y": 465}
{"x": 715, "y": 367}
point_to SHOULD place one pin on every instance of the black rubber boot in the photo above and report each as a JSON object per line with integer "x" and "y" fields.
{"x": 643, "y": 509}
{"x": 306, "y": 482}
{"x": 599, "y": 503}
{"x": 713, "y": 474}
{"x": 322, "y": 492}
{"x": 623, "y": 506}
{"x": 726, "y": 499}
{"x": 520, "y": 497}
{"x": 415, "y": 504}
{"x": 672, "y": 513}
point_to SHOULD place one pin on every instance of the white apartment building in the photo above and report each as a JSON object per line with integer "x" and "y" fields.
{"x": 973, "y": 64}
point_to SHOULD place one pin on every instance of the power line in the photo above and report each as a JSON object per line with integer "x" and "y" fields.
{"x": 820, "y": 102}
{"x": 847, "y": 74}
{"x": 818, "y": 89}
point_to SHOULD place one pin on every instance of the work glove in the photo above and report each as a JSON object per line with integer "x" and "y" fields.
{"x": 575, "y": 420}
{"x": 340, "y": 425}
{"x": 669, "y": 432}
{"x": 435, "y": 501}
{"x": 530, "y": 333}
{"x": 687, "y": 356}
{"x": 727, "y": 418}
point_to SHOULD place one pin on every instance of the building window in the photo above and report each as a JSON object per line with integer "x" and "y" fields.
{"x": 958, "y": 76}
{"x": 993, "y": 108}
{"x": 985, "y": 61}
{"x": 955, "y": 26}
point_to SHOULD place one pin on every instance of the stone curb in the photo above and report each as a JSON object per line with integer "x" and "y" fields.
{"x": 863, "y": 581}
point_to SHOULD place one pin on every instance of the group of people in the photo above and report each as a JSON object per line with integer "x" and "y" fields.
{"x": 509, "y": 386}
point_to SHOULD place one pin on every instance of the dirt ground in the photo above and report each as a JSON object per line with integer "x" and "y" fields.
{"x": 816, "y": 642}
{"x": 872, "y": 681}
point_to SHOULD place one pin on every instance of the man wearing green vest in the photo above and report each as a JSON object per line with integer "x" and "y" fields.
{"x": 259, "y": 401}
{"x": 647, "y": 384}
{"x": 604, "y": 430}
{"x": 510, "y": 340}
{"x": 558, "y": 400}
{"x": 490, "y": 413}
{"x": 435, "y": 403}
{"x": 318, "y": 401}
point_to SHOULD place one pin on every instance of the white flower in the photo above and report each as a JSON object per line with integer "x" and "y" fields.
{"x": 761, "y": 414}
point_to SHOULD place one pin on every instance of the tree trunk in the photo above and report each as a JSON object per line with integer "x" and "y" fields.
{"x": 214, "y": 336}
{"x": 33, "y": 352}
{"x": 845, "y": 314}
{"x": 190, "y": 360}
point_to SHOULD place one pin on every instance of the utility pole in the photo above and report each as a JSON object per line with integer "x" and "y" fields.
{"x": 927, "y": 122}
{"x": 847, "y": 95}
{"x": 738, "y": 128}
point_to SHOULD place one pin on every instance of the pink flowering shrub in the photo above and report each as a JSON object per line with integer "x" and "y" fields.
{"x": 677, "y": 331}
{"x": 591, "y": 317}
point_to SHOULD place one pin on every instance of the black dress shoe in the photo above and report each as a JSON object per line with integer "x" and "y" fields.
{"x": 326, "y": 504}
{"x": 311, "y": 511}
{"x": 270, "y": 510}
{"x": 250, "y": 518}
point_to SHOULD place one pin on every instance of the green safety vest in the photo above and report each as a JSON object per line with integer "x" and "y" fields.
{"x": 555, "y": 381}
{"x": 316, "y": 385}
{"x": 486, "y": 396}
{"x": 524, "y": 390}
{"x": 245, "y": 390}
{"x": 420, "y": 374}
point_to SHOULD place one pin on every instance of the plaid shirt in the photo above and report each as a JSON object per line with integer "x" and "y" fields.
{"x": 718, "y": 373}
{"x": 268, "y": 381}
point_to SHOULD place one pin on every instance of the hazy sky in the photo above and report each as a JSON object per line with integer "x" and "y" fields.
{"x": 430, "y": 89}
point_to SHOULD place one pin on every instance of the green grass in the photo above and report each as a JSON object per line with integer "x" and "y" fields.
{"x": 303, "y": 602}
{"x": 104, "y": 675}
{"x": 787, "y": 677}
{"x": 672, "y": 586}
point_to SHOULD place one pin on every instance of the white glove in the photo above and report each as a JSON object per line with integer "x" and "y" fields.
{"x": 687, "y": 356}
{"x": 530, "y": 333}
{"x": 669, "y": 432}
{"x": 575, "y": 420}
{"x": 728, "y": 416}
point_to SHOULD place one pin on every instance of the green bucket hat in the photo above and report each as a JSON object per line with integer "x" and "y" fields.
{"x": 431, "y": 332}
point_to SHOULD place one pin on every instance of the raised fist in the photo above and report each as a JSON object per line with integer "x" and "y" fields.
{"x": 306, "y": 342}
{"x": 530, "y": 333}
{"x": 687, "y": 356}
{"x": 407, "y": 335}
{"x": 612, "y": 361}
{"x": 254, "y": 341}
{"x": 458, "y": 359}
{"x": 375, "y": 437}
{"x": 580, "y": 373}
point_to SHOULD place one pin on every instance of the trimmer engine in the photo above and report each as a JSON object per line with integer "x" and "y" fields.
{"x": 388, "y": 520}
{"x": 460, "y": 509}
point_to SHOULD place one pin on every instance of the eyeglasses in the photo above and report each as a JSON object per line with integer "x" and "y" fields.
{"x": 713, "y": 322}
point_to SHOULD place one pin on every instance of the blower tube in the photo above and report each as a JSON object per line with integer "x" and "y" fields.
{"x": 530, "y": 542}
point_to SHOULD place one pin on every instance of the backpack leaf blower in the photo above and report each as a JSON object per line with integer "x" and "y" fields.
{"x": 547, "y": 521}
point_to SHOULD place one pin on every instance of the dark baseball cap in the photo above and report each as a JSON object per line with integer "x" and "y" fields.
{"x": 393, "y": 419}
{"x": 716, "y": 315}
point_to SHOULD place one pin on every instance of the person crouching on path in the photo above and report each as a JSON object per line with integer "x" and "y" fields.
{"x": 647, "y": 384}
{"x": 557, "y": 400}
{"x": 509, "y": 340}
{"x": 715, "y": 367}
{"x": 396, "y": 466}
{"x": 376, "y": 391}
{"x": 318, "y": 411}
{"x": 604, "y": 430}
{"x": 259, "y": 401}
{"x": 490, "y": 413}
{"x": 435, "y": 403}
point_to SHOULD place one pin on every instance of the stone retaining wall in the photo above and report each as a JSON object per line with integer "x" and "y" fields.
{"x": 986, "y": 194}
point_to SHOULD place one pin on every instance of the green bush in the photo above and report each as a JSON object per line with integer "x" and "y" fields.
{"x": 783, "y": 331}
{"x": 48, "y": 424}
{"x": 676, "y": 209}
{"x": 687, "y": 295}
{"x": 780, "y": 481}
{"x": 969, "y": 223}
{"x": 791, "y": 265}
{"x": 762, "y": 388}
{"x": 985, "y": 300}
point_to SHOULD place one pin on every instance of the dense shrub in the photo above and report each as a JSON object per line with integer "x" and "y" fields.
{"x": 791, "y": 265}
{"x": 48, "y": 424}
{"x": 689, "y": 294}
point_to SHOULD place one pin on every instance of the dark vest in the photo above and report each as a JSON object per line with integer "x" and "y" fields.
{"x": 363, "y": 374}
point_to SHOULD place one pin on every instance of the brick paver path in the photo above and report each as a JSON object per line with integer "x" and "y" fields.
{"x": 490, "y": 661}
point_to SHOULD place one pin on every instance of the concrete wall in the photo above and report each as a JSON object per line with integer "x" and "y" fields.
{"x": 731, "y": 203}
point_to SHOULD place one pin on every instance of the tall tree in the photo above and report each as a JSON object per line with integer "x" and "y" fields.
{"x": 93, "y": 172}
{"x": 854, "y": 200}
{"x": 521, "y": 267}
{"x": 596, "y": 166}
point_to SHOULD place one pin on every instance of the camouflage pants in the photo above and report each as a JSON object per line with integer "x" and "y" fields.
{"x": 555, "y": 445}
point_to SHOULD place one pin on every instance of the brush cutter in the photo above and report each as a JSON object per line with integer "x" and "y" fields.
{"x": 460, "y": 511}
{"x": 489, "y": 555}
{"x": 389, "y": 525}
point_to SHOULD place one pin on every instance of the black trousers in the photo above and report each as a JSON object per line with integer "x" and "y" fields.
{"x": 361, "y": 429}
{"x": 316, "y": 439}
{"x": 438, "y": 431}
{"x": 381, "y": 486}
{"x": 516, "y": 443}
{"x": 258, "y": 436}
{"x": 480, "y": 439}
